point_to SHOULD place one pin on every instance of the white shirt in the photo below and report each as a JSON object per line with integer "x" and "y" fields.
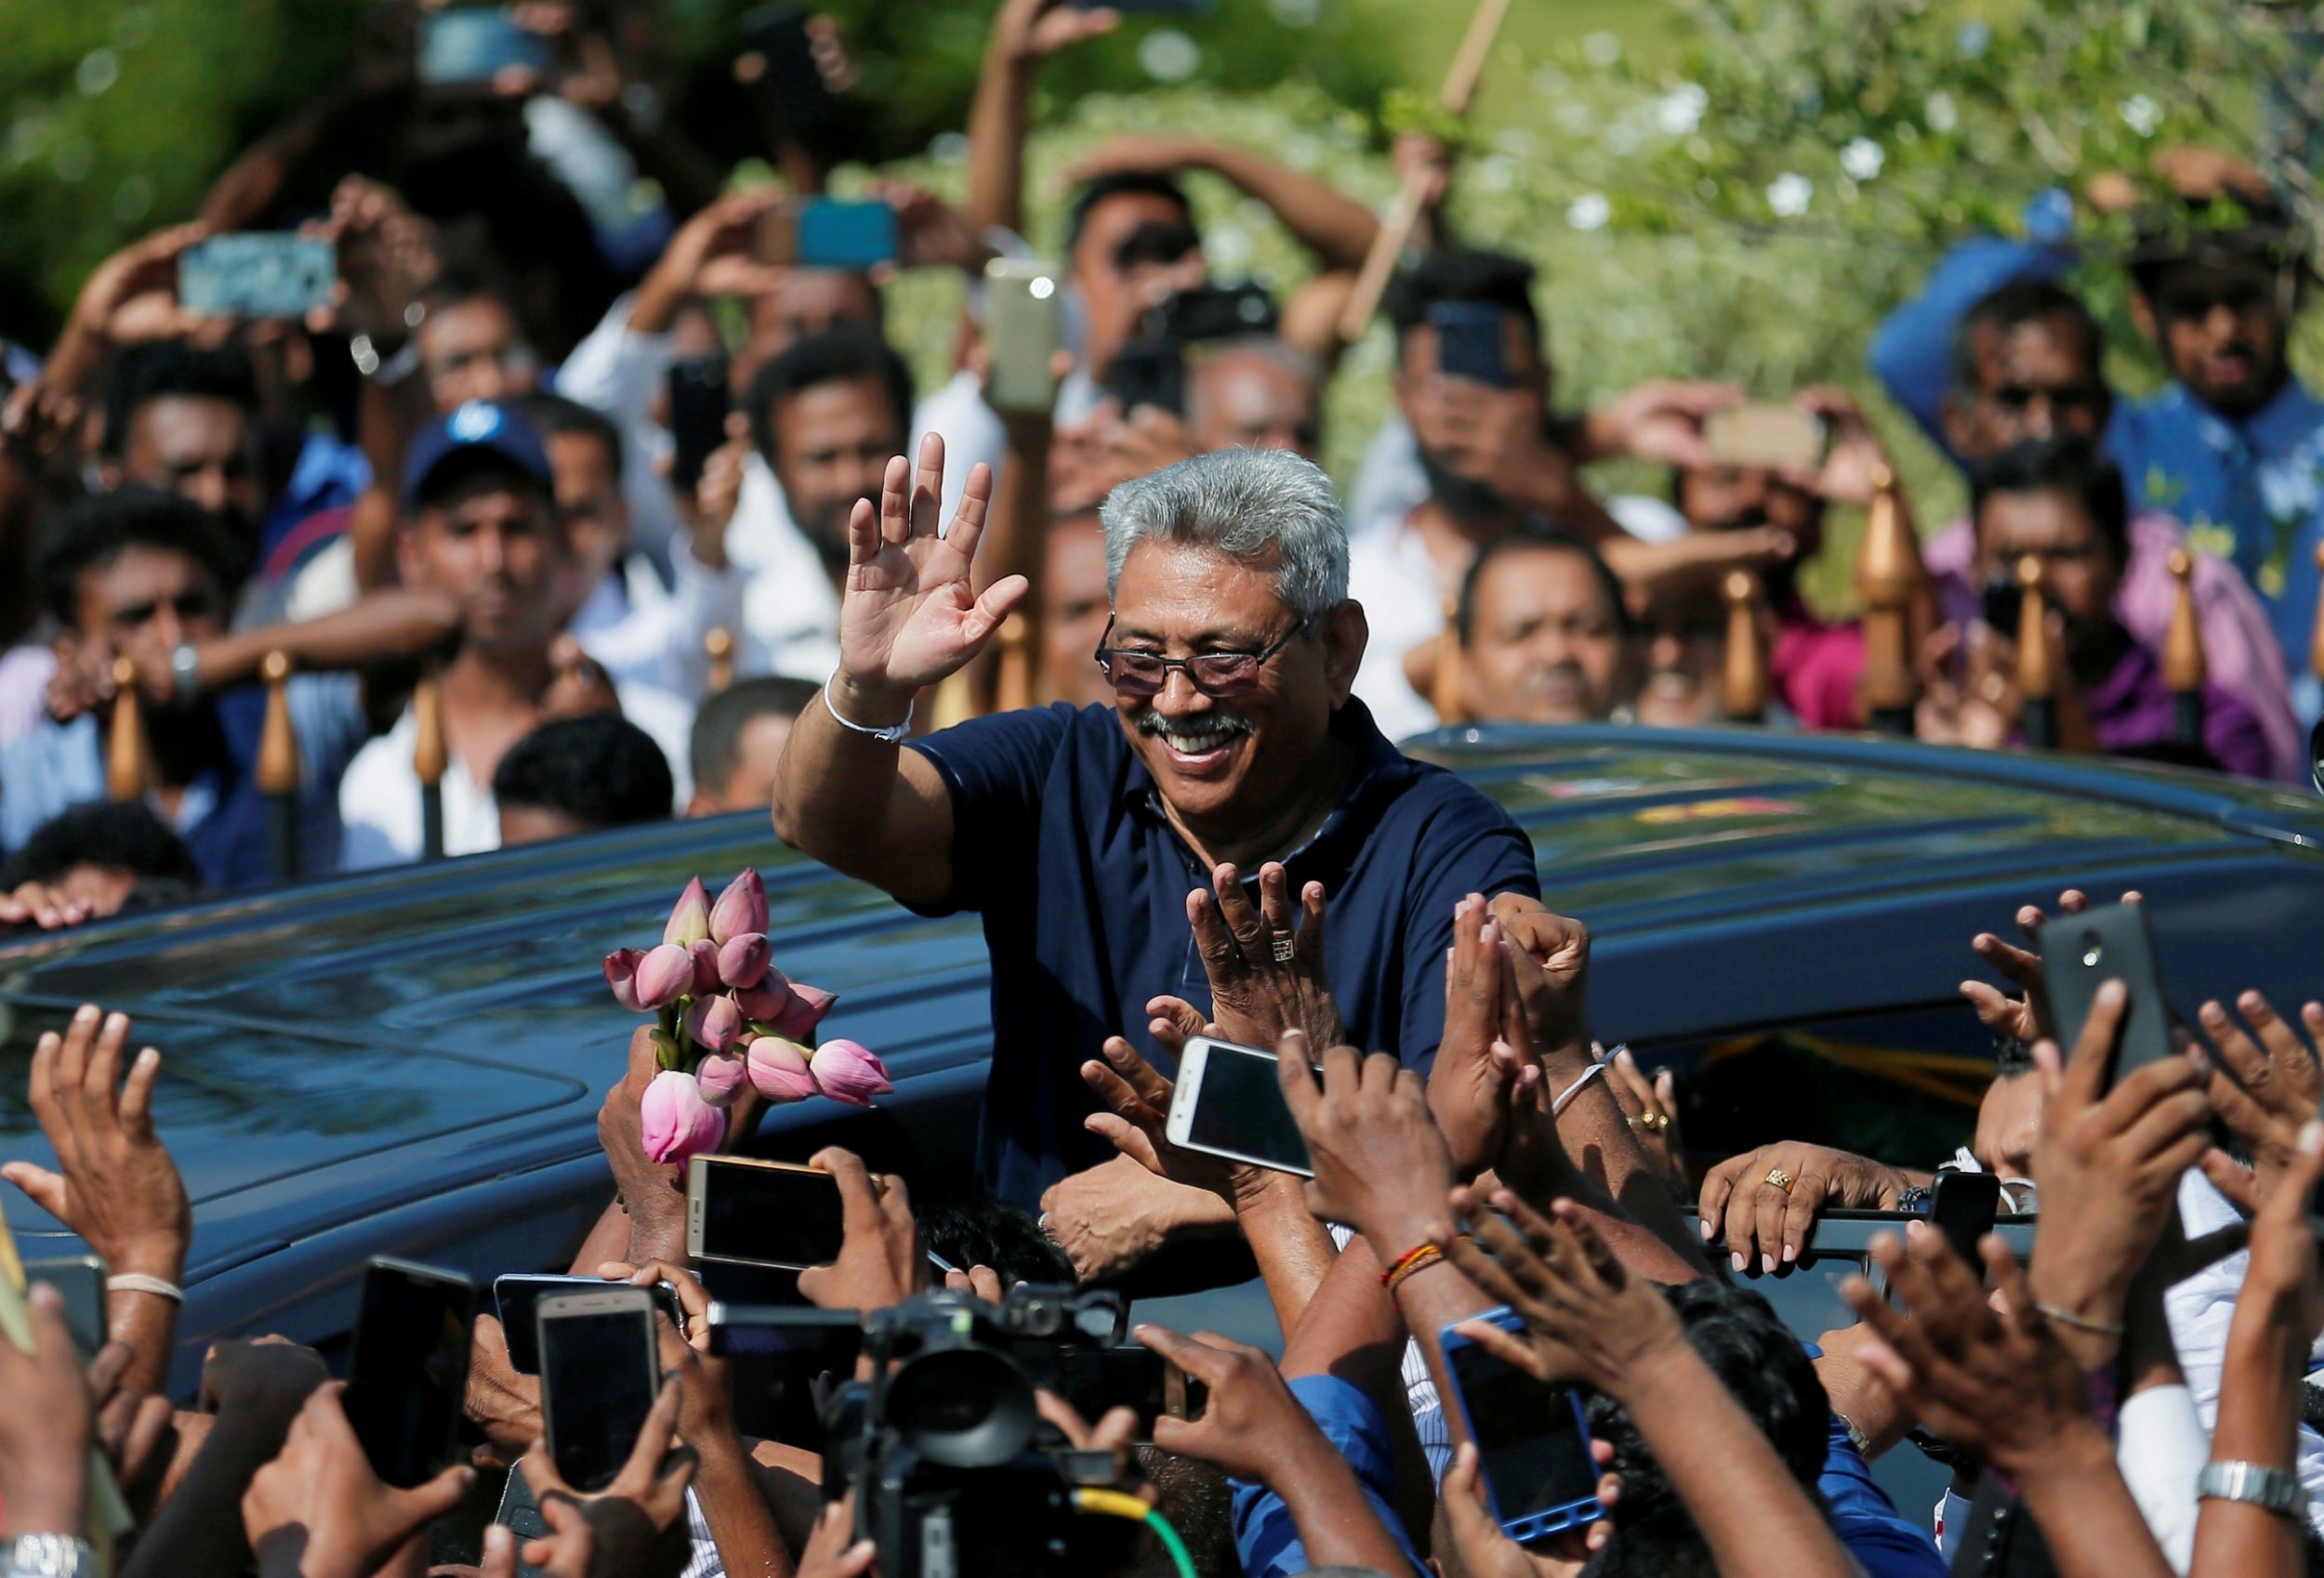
{"x": 1403, "y": 592}
{"x": 646, "y": 633}
{"x": 970, "y": 429}
{"x": 616, "y": 372}
{"x": 790, "y": 608}
{"x": 380, "y": 793}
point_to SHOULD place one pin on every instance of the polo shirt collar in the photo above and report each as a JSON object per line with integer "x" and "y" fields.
{"x": 1376, "y": 769}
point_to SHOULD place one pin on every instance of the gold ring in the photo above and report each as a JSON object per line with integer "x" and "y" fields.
{"x": 1780, "y": 1179}
{"x": 1654, "y": 1123}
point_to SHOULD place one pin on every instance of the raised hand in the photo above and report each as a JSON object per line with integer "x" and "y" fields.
{"x": 1139, "y": 1096}
{"x": 318, "y": 1510}
{"x": 639, "y": 1517}
{"x": 1381, "y": 1165}
{"x": 1026, "y": 31}
{"x": 2269, "y": 1096}
{"x": 1252, "y": 1427}
{"x": 46, "y": 1421}
{"x": 2025, "y": 1016}
{"x": 1478, "y": 1065}
{"x": 879, "y": 1261}
{"x": 1994, "y": 1381}
{"x": 910, "y": 615}
{"x": 1265, "y": 965}
{"x": 2108, "y": 1165}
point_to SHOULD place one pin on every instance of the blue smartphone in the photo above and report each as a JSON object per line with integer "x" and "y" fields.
{"x": 833, "y": 234}
{"x": 470, "y": 45}
{"x": 1468, "y": 342}
{"x": 263, "y": 274}
{"x": 1531, "y": 1436}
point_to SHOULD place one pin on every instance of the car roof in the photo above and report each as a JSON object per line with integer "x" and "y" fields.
{"x": 389, "y": 1031}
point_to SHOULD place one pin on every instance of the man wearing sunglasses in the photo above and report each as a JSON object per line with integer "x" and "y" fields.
{"x": 1232, "y": 740}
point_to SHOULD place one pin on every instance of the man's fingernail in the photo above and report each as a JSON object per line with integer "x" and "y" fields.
{"x": 86, "y": 1014}
{"x": 1739, "y": 1263}
{"x": 1766, "y": 1264}
{"x": 1790, "y": 1252}
{"x": 1709, "y": 1229}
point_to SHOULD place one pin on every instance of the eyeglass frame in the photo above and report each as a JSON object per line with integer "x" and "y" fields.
{"x": 1258, "y": 659}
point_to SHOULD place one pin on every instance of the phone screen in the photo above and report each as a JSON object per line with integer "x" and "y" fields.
{"x": 599, "y": 1376}
{"x": 519, "y": 1297}
{"x": 832, "y": 234}
{"x": 1239, "y": 1109}
{"x": 1025, "y": 324}
{"x": 470, "y": 45}
{"x": 408, "y": 1374}
{"x": 256, "y": 276}
{"x": 1962, "y": 1207}
{"x": 1535, "y": 1453}
{"x": 1468, "y": 342}
{"x": 80, "y": 1281}
{"x": 766, "y": 1216}
{"x": 698, "y": 404}
{"x": 2082, "y": 953}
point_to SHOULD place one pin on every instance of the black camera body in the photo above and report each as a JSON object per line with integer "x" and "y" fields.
{"x": 955, "y": 1472}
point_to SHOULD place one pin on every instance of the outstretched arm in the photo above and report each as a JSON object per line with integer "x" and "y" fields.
{"x": 1024, "y": 33}
{"x": 1333, "y": 226}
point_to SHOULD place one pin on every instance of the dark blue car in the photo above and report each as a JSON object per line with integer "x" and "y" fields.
{"x": 411, "y": 1062}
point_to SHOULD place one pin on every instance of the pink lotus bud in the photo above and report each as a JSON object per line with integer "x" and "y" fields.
{"x": 763, "y": 1003}
{"x": 720, "y": 1077}
{"x": 690, "y": 918}
{"x": 714, "y": 1022}
{"x": 677, "y": 1121}
{"x": 743, "y": 960}
{"x": 664, "y": 976}
{"x": 704, "y": 955}
{"x": 805, "y": 1010}
{"x": 621, "y": 974}
{"x": 741, "y": 909}
{"x": 849, "y": 1072}
{"x": 778, "y": 1070}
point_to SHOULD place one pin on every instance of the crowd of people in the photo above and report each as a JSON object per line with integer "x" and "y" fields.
{"x": 449, "y": 564}
{"x": 483, "y": 470}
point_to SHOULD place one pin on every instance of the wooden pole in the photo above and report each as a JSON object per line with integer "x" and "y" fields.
{"x": 1012, "y": 685}
{"x": 128, "y": 754}
{"x": 1889, "y": 578}
{"x": 2316, "y": 641}
{"x": 1395, "y": 231}
{"x": 430, "y": 756}
{"x": 718, "y": 644}
{"x": 2037, "y": 678}
{"x": 2184, "y": 668}
{"x": 277, "y": 772}
{"x": 954, "y": 701}
{"x": 1446, "y": 691}
{"x": 1744, "y": 687}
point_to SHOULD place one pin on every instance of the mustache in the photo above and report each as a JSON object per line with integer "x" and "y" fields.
{"x": 1149, "y": 722}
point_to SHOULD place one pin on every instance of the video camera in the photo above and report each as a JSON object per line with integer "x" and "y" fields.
{"x": 955, "y": 1472}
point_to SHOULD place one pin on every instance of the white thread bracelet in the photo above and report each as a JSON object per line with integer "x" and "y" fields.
{"x": 134, "y": 1281}
{"x": 892, "y": 736}
{"x": 1566, "y": 1095}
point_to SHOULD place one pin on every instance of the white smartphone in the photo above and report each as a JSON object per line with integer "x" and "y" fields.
{"x": 1229, "y": 1102}
{"x": 1025, "y": 324}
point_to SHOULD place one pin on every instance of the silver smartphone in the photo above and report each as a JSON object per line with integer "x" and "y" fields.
{"x": 1024, "y": 325}
{"x": 753, "y": 1212}
{"x": 600, "y": 1370}
{"x": 1229, "y": 1102}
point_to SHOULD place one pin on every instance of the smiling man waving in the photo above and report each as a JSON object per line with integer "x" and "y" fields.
{"x": 1078, "y": 835}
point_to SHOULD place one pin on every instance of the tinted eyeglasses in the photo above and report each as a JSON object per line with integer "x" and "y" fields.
{"x": 1134, "y": 673}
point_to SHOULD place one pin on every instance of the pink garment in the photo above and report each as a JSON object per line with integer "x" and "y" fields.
{"x": 1817, "y": 668}
{"x": 2238, "y": 643}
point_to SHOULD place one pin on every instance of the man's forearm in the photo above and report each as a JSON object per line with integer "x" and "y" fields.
{"x": 1330, "y": 224}
{"x": 997, "y": 133}
{"x": 1593, "y": 1125}
{"x": 1337, "y": 1524}
{"x": 1293, "y": 1251}
{"x": 379, "y": 627}
{"x": 831, "y": 788}
{"x": 741, "y": 1524}
{"x": 2258, "y": 1422}
{"x": 2088, "y": 1517}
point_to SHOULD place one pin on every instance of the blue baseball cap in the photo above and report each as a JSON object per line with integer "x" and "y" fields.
{"x": 478, "y": 426}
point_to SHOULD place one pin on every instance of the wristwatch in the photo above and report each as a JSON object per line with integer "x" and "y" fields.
{"x": 185, "y": 673}
{"x": 49, "y": 1556}
{"x": 2274, "y": 1490}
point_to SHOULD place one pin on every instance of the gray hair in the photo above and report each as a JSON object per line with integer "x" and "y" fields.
{"x": 1247, "y": 503}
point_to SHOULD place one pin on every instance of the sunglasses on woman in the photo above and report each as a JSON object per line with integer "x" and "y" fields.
{"x": 1216, "y": 675}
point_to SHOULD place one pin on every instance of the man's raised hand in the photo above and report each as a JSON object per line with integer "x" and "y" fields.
{"x": 1265, "y": 963}
{"x": 910, "y": 614}
{"x": 2271, "y": 1093}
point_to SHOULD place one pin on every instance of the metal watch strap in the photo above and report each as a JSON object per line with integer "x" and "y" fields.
{"x": 49, "y": 1556}
{"x": 185, "y": 673}
{"x": 2274, "y": 1489}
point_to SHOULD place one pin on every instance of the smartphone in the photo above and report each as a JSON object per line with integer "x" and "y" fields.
{"x": 758, "y": 1212}
{"x": 1096, "y": 1380}
{"x": 1024, "y": 325}
{"x": 833, "y": 234}
{"x": 515, "y": 1295}
{"x": 699, "y": 402}
{"x": 1229, "y": 1102}
{"x": 80, "y": 1281}
{"x": 2082, "y": 953}
{"x": 262, "y": 275}
{"x": 2002, "y": 605}
{"x": 1213, "y": 312}
{"x": 1468, "y": 342}
{"x": 408, "y": 1376}
{"x": 1149, "y": 372}
{"x": 467, "y": 46}
{"x": 601, "y": 1371}
{"x": 1531, "y": 1435}
{"x": 1772, "y": 438}
{"x": 1962, "y": 1207}
{"x": 778, "y": 57}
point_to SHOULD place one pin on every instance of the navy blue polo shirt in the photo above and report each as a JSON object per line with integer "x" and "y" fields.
{"x": 1060, "y": 842}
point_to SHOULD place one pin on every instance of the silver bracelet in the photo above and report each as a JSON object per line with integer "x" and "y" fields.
{"x": 895, "y": 735}
{"x": 137, "y": 1282}
{"x": 47, "y": 1555}
{"x": 2272, "y": 1490}
{"x": 1566, "y": 1097}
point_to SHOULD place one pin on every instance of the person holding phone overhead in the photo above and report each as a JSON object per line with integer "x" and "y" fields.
{"x": 1233, "y": 743}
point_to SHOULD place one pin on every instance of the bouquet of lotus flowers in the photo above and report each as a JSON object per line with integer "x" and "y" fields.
{"x": 728, "y": 1016}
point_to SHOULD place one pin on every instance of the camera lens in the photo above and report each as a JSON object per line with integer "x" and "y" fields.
{"x": 965, "y": 1408}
